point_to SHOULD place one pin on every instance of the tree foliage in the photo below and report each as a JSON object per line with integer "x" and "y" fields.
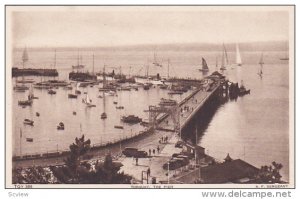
{"x": 75, "y": 170}
{"x": 269, "y": 174}
{"x": 82, "y": 172}
{"x": 32, "y": 175}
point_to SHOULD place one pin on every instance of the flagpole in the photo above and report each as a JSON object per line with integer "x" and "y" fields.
{"x": 20, "y": 142}
{"x": 195, "y": 146}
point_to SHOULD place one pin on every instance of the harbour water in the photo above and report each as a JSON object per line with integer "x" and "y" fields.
{"x": 254, "y": 127}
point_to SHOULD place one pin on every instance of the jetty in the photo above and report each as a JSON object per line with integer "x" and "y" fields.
{"x": 16, "y": 72}
{"x": 178, "y": 116}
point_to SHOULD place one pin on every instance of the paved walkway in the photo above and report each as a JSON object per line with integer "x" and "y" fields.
{"x": 155, "y": 163}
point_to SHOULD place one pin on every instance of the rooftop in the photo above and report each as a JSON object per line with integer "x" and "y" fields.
{"x": 227, "y": 172}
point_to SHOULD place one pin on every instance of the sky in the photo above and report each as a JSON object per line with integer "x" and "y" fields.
{"x": 117, "y": 26}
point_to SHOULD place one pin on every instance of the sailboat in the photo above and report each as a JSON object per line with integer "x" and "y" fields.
{"x": 31, "y": 94}
{"x": 225, "y": 61}
{"x": 261, "y": 63}
{"x": 25, "y": 102}
{"x": 29, "y": 101}
{"x": 23, "y": 87}
{"x": 204, "y": 66}
{"x": 238, "y": 56}
{"x": 146, "y": 86}
{"x": 105, "y": 86}
{"x": 88, "y": 101}
{"x": 73, "y": 95}
{"x": 79, "y": 63}
{"x": 77, "y": 91}
{"x": 155, "y": 62}
{"x": 103, "y": 115}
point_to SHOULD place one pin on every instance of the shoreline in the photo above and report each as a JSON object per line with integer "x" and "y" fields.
{"x": 140, "y": 141}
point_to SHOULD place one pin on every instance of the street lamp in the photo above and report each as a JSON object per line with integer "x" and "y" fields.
{"x": 168, "y": 172}
{"x": 57, "y": 154}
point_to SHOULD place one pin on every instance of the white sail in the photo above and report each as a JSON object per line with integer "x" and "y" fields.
{"x": 87, "y": 99}
{"x": 238, "y": 56}
{"x": 223, "y": 66}
{"x": 77, "y": 86}
{"x": 261, "y": 63}
{"x": 25, "y": 55}
{"x": 225, "y": 54}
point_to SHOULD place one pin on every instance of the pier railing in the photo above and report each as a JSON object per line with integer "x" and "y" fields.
{"x": 64, "y": 152}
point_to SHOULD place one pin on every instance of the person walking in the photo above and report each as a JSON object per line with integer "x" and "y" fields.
{"x": 149, "y": 152}
{"x": 153, "y": 151}
{"x": 136, "y": 161}
{"x": 158, "y": 149}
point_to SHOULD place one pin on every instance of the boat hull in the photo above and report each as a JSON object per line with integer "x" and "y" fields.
{"x": 72, "y": 96}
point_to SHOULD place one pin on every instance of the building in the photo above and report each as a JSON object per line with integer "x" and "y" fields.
{"x": 230, "y": 171}
{"x": 233, "y": 171}
{"x": 191, "y": 148}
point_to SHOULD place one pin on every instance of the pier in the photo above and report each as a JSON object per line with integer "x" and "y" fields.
{"x": 175, "y": 118}
{"x": 16, "y": 72}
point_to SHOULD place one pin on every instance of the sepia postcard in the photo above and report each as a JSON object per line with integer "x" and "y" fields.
{"x": 149, "y": 96}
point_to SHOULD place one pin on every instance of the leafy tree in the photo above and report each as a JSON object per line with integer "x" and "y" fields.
{"x": 75, "y": 170}
{"x": 82, "y": 172}
{"x": 32, "y": 175}
{"x": 108, "y": 172}
{"x": 77, "y": 150}
{"x": 269, "y": 174}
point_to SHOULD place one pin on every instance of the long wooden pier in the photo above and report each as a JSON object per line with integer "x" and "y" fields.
{"x": 191, "y": 105}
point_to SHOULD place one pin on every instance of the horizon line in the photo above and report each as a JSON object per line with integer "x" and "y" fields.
{"x": 148, "y": 44}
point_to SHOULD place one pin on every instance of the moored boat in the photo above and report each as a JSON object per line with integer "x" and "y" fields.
{"x": 72, "y": 96}
{"x": 21, "y": 88}
{"x": 163, "y": 86}
{"x": 175, "y": 93}
{"x": 118, "y": 127}
{"x": 243, "y": 90}
{"x": 131, "y": 119}
{"x": 28, "y": 122}
{"x": 51, "y": 92}
{"x": 103, "y": 115}
{"x": 61, "y": 126}
{"x": 146, "y": 86}
{"x": 25, "y": 102}
{"x": 167, "y": 102}
{"x": 88, "y": 101}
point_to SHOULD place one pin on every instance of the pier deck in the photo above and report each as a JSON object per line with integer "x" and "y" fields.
{"x": 194, "y": 102}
